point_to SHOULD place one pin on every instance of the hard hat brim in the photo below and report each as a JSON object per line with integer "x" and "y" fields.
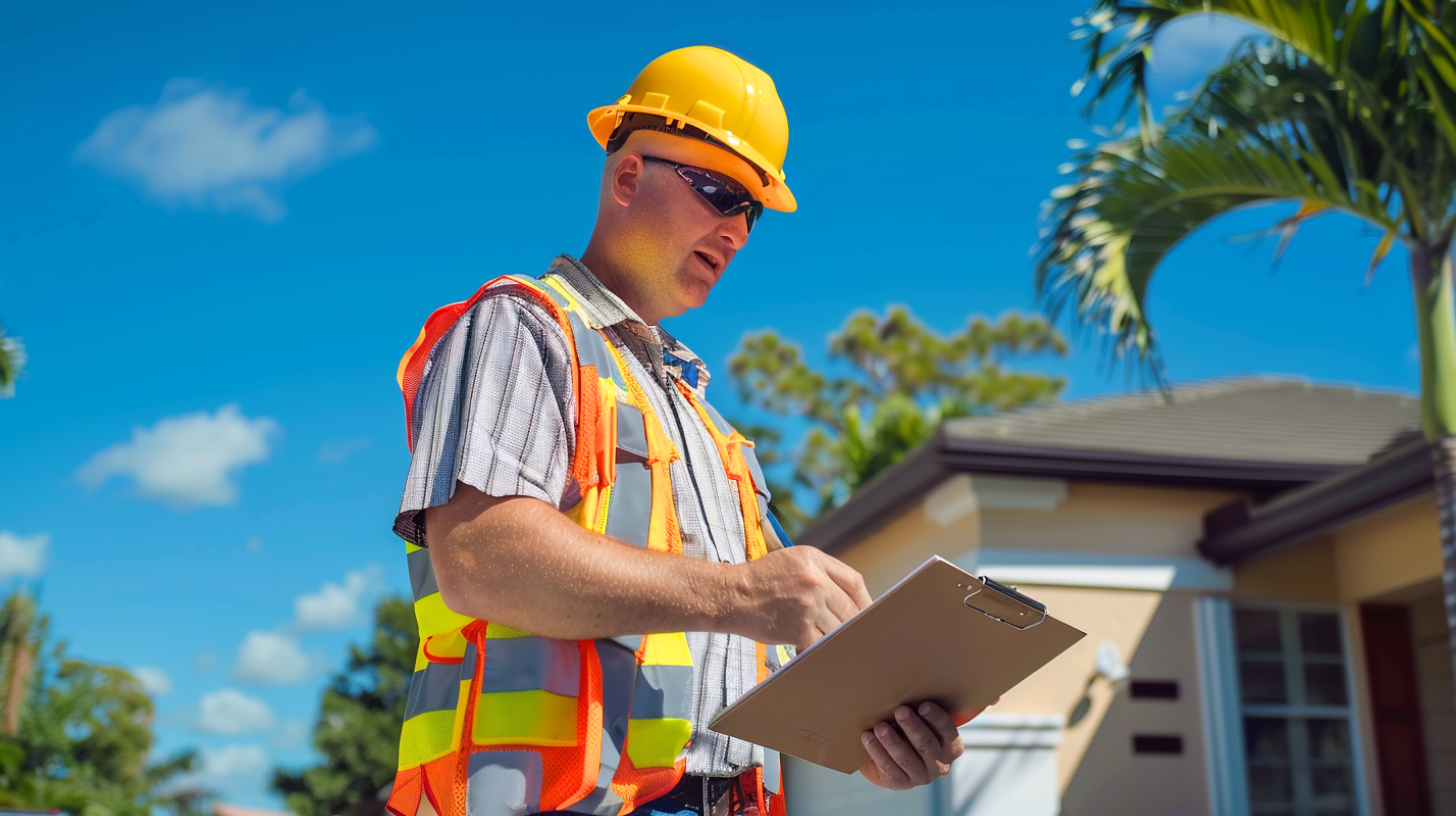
{"x": 775, "y": 196}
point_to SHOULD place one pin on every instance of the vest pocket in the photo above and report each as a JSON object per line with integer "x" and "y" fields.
{"x": 528, "y": 691}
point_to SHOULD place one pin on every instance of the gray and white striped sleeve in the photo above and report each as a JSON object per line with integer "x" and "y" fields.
{"x": 494, "y": 410}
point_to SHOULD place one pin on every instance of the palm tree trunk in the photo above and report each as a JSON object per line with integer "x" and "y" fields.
{"x": 1431, "y": 276}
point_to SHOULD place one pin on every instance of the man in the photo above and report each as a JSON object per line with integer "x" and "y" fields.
{"x": 595, "y": 570}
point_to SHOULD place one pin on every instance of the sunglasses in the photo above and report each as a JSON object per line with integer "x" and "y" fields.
{"x": 724, "y": 194}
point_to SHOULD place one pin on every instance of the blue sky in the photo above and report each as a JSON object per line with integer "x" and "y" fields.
{"x": 220, "y": 226}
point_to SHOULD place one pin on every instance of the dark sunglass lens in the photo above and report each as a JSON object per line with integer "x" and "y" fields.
{"x": 723, "y": 194}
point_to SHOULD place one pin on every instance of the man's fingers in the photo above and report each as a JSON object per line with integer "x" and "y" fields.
{"x": 849, "y": 580}
{"x": 905, "y": 756}
{"x": 840, "y": 605}
{"x": 937, "y": 718}
{"x": 893, "y": 774}
{"x": 926, "y": 742}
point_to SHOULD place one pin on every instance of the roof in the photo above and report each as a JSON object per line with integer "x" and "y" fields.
{"x": 1261, "y": 434}
{"x": 1250, "y": 418}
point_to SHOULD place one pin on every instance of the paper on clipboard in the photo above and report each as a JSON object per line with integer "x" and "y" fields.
{"x": 940, "y": 634}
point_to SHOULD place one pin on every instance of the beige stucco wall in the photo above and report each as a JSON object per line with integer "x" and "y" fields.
{"x": 1395, "y": 548}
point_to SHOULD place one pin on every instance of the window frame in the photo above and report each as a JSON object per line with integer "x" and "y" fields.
{"x": 1224, "y": 709}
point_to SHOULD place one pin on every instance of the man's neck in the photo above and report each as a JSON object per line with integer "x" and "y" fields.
{"x": 614, "y": 280}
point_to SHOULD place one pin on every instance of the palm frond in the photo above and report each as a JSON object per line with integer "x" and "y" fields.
{"x": 1120, "y": 38}
{"x": 1132, "y": 203}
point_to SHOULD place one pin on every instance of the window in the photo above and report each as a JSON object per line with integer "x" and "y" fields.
{"x": 1295, "y": 706}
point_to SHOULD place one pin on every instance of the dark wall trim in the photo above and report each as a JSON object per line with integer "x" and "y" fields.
{"x": 1241, "y": 530}
{"x": 878, "y": 502}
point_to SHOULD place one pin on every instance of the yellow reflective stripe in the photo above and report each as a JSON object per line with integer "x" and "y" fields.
{"x": 420, "y": 660}
{"x": 669, "y": 649}
{"x": 525, "y": 718}
{"x": 495, "y": 630}
{"x": 431, "y": 735}
{"x": 656, "y": 743}
{"x": 434, "y": 617}
{"x": 409, "y": 548}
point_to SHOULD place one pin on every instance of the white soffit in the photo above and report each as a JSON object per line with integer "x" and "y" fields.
{"x": 1098, "y": 570}
{"x": 963, "y": 494}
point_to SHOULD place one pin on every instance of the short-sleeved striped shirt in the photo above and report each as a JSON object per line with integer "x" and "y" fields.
{"x": 495, "y": 410}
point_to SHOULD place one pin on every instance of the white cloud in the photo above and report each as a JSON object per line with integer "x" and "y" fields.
{"x": 273, "y": 658}
{"x": 154, "y": 680}
{"x": 336, "y": 606}
{"x": 22, "y": 556}
{"x": 1187, "y": 49}
{"x": 186, "y": 461}
{"x": 235, "y": 760}
{"x": 291, "y": 735}
{"x": 205, "y": 661}
{"x": 229, "y": 711}
{"x": 209, "y": 147}
{"x": 254, "y": 545}
{"x": 335, "y": 453}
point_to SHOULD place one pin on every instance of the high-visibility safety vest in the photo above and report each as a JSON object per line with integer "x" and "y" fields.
{"x": 503, "y": 721}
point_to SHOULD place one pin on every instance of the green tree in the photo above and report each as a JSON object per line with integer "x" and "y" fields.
{"x": 78, "y": 735}
{"x": 902, "y": 380}
{"x": 12, "y": 361}
{"x": 359, "y": 722}
{"x": 1342, "y": 107}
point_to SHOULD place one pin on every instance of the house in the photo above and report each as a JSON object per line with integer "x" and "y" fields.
{"x": 1257, "y": 566}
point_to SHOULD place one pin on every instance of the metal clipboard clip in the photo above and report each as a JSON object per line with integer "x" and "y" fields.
{"x": 1009, "y": 593}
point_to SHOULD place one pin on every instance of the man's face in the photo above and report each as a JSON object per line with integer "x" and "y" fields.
{"x": 675, "y": 244}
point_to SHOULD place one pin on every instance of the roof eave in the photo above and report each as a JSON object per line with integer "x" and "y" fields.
{"x": 1241, "y": 530}
{"x": 941, "y": 457}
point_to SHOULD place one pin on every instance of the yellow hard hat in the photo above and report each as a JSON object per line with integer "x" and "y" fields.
{"x": 724, "y": 97}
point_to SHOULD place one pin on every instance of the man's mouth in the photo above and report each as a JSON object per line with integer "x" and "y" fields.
{"x": 712, "y": 262}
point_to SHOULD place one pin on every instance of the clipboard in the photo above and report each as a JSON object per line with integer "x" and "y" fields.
{"x": 941, "y": 634}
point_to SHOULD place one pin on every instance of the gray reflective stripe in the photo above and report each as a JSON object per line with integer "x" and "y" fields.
{"x": 759, "y": 483}
{"x": 631, "y": 430}
{"x": 772, "y": 774}
{"x": 422, "y": 574}
{"x": 591, "y": 350}
{"x": 723, "y": 426}
{"x": 436, "y": 687}
{"x": 526, "y": 663}
{"x": 662, "y": 691}
{"x": 631, "y": 508}
{"x": 629, "y": 642}
{"x": 503, "y": 783}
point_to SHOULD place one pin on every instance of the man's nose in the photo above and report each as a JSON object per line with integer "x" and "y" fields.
{"x": 734, "y": 230}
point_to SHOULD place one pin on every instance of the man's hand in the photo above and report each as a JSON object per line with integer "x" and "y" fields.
{"x": 930, "y": 743}
{"x": 795, "y": 595}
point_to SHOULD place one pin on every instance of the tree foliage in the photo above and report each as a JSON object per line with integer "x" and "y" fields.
{"x": 902, "y": 379}
{"x": 359, "y": 722}
{"x": 12, "y": 361}
{"x": 83, "y": 733}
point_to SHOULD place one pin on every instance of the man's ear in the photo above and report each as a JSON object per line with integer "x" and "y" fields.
{"x": 626, "y": 178}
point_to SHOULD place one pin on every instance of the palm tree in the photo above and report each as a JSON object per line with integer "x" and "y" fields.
{"x": 1342, "y": 107}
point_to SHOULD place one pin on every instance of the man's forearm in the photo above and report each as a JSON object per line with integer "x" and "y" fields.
{"x": 521, "y": 563}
